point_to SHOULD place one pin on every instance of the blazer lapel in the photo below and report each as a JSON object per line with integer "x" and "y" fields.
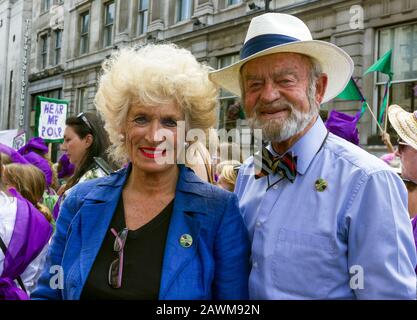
{"x": 187, "y": 205}
{"x": 95, "y": 217}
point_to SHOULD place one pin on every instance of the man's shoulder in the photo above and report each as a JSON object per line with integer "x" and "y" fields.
{"x": 354, "y": 156}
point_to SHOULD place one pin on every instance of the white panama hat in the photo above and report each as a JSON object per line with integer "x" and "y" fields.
{"x": 405, "y": 123}
{"x": 276, "y": 32}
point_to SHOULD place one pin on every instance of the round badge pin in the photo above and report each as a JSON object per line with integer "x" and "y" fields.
{"x": 321, "y": 185}
{"x": 186, "y": 240}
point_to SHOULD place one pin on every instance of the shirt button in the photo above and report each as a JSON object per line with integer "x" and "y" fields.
{"x": 255, "y": 264}
{"x": 275, "y": 187}
{"x": 258, "y": 224}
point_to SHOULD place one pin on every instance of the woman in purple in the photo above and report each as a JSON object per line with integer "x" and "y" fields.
{"x": 24, "y": 233}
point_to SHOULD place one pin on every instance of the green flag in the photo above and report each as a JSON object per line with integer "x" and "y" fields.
{"x": 352, "y": 92}
{"x": 382, "y": 65}
{"x": 384, "y": 102}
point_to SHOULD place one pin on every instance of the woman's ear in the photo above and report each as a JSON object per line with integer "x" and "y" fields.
{"x": 89, "y": 140}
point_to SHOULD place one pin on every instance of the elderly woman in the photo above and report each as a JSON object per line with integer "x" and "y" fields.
{"x": 190, "y": 233}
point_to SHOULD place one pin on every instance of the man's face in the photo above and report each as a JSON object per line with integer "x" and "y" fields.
{"x": 276, "y": 94}
{"x": 408, "y": 156}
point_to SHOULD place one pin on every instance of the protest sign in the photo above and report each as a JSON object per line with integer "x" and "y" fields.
{"x": 7, "y": 136}
{"x": 19, "y": 141}
{"x": 50, "y": 119}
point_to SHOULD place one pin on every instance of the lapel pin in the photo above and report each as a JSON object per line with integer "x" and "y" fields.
{"x": 321, "y": 185}
{"x": 186, "y": 240}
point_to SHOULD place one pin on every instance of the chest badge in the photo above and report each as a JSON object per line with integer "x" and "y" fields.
{"x": 321, "y": 185}
{"x": 186, "y": 240}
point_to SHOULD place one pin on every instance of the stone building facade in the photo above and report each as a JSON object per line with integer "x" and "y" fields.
{"x": 15, "y": 34}
{"x": 47, "y": 55}
{"x": 214, "y": 31}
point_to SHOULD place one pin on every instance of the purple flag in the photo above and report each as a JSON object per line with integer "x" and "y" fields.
{"x": 344, "y": 125}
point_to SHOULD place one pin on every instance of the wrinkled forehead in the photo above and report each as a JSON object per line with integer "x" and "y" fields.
{"x": 283, "y": 62}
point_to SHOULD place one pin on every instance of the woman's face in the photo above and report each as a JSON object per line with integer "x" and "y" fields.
{"x": 74, "y": 146}
{"x": 151, "y": 136}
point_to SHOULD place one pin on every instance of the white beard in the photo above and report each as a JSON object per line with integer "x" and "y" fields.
{"x": 276, "y": 130}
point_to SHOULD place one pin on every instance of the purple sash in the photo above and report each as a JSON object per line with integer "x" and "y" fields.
{"x": 414, "y": 223}
{"x": 30, "y": 235}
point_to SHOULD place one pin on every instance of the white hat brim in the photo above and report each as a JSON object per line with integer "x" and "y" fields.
{"x": 335, "y": 62}
{"x": 404, "y": 123}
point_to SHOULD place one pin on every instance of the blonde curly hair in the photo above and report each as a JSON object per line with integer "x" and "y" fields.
{"x": 151, "y": 75}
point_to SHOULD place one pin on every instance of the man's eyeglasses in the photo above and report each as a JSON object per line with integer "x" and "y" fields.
{"x": 84, "y": 118}
{"x": 116, "y": 267}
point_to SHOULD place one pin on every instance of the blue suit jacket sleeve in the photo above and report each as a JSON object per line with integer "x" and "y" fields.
{"x": 50, "y": 284}
{"x": 231, "y": 275}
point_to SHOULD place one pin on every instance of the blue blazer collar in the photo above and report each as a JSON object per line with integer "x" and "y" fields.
{"x": 100, "y": 203}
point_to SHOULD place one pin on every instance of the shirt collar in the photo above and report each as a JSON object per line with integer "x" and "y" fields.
{"x": 307, "y": 146}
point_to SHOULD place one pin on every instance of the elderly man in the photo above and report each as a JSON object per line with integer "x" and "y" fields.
{"x": 405, "y": 124}
{"x": 327, "y": 220}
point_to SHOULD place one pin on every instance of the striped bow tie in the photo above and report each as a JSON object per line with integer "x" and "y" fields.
{"x": 285, "y": 165}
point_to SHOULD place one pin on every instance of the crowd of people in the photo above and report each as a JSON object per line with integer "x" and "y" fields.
{"x": 300, "y": 219}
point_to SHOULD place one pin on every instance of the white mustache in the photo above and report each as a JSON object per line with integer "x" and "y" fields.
{"x": 273, "y": 107}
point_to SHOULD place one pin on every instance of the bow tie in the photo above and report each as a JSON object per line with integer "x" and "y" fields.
{"x": 285, "y": 165}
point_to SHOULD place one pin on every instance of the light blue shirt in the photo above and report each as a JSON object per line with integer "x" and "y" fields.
{"x": 351, "y": 241}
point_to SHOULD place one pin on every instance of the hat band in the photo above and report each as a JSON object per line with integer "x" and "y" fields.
{"x": 262, "y": 42}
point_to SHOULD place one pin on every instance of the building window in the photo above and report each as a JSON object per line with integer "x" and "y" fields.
{"x": 82, "y": 100}
{"x": 10, "y": 119}
{"x": 232, "y": 2}
{"x": 45, "y": 5}
{"x": 403, "y": 42}
{"x": 84, "y": 28}
{"x": 183, "y": 10}
{"x": 230, "y": 111}
{"x": 44, "y": 51}
{"x": 55, "y": 94}
{"x": 108, "y": 23}
{"x": 143, "y": 16}
{"x": 58, "y": 44}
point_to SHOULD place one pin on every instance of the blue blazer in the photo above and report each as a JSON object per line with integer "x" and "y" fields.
{"x": 216, "y": 266}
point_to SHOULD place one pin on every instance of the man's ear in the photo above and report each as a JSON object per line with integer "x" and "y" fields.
{"x": 321, "y": 85}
